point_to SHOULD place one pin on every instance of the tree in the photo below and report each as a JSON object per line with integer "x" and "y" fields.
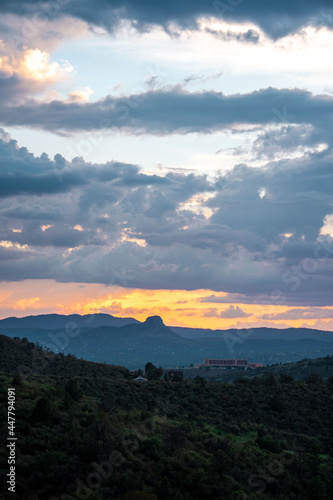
{"x": 269, "y": 380}
{"x": 313, "y": 378}
{"x": 241, "y": 380}
{"x": 285, "y": 378}
{"x": 200, "y": 380}
{"x": 148, "y": 367}
{"x": 152, "y": 372}
{"x": 73, "y": 389}
{"x": 17, "y": 380}
{"x": 42, "y": 410}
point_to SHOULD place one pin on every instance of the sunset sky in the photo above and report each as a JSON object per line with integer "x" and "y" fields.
{"x": 170, "y": 158}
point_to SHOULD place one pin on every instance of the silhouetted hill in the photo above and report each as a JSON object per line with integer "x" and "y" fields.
{"x": 129, "y": 345}
{"x": 55, "y": 321}
{"x": 27, "y": 359}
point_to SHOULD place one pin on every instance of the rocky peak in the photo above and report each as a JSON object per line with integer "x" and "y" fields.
{"x": 154, "y": 321}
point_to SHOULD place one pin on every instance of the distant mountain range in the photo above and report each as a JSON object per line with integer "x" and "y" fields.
{"x": 130, "y": 343}
{"x": 262, "y": 333}
{"x": 54, "y": 321}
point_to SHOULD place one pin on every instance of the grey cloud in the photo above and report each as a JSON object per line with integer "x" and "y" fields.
{"x": 241, "y": 249}
{"x": 21, "y": 173}
{"x": 197, "y": 79}
{"x": 215, "y": 299}
{"x": 287, "y": 139}
{"x": 218, "y": 237}
{"x": 59, "y": 235}
{"x": 40, "y": 184}
{"x": 296, "y": 196}
{"x": 13, "y": 87}
{"x": 35, "y": 212}
{"x": 294, "y": 314}
{"x": 9, "y": 254}
{"x": 176, "y": 111}
{"x": 276, "y": 296}
{"x": 234, "y": 312}
{"x": 277, "y": 17}
{"x": 250, "y": 36}
{"x": 211, "y": 313}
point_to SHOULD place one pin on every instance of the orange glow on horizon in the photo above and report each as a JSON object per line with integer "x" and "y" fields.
{"x": 176, "y": 307}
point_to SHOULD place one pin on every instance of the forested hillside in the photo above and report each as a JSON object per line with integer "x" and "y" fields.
{"x": 88, "y": 430}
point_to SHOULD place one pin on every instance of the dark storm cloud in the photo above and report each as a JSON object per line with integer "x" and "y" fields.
{"x": 217, "y": 237}
{"x": 113, "y": 224}
{"x": 42, "y": 184}
{"x": 22, "y": 173}
{"x": 290, "y": 197}
{"x": 34, "y": 212}
{"x": 276, "y": 17}
{"x": 176, "y": 111}
{"x": 60, "y": 235}
{"x": 8, "y": 254}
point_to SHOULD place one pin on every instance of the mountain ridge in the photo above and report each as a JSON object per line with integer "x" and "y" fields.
{"x": 105, "y": 319}
{"x": 133, "y": 344}
{"x": 53, "y": 321}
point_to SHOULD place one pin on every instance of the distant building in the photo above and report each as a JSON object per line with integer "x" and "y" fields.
{"x": 175, "y": 375}
{"x": 231, "y": 362}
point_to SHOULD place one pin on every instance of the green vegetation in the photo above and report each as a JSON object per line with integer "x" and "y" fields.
{"x": 88, "y": 430}
{"x": 152, "y": 372}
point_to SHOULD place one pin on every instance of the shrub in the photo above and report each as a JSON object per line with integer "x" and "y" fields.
{"x": 42, "y": 410}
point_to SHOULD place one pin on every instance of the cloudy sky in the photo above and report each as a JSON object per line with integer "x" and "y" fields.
{"x": 169, "y": 158}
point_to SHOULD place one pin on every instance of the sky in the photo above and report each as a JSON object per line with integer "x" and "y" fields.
{"x": 168, "y": 158}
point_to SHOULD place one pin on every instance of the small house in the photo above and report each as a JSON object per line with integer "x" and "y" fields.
{"x": 141, "y": 379}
